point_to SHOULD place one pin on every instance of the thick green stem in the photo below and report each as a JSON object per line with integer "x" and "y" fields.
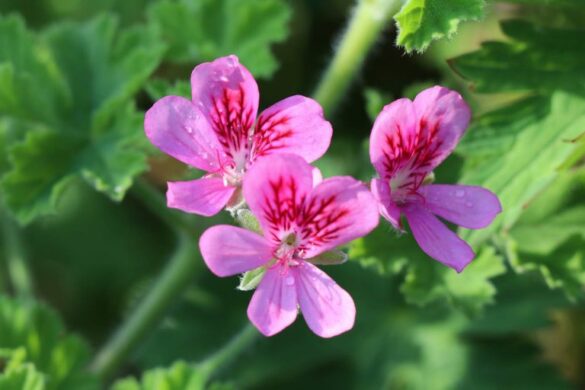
{"x": 18, "y": 271}
{"x": 175, "y": 278}
{"x": 366, "y": 23}
{"x": 229, "y": 352}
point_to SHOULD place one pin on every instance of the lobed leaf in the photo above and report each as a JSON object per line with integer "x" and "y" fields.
{"x": 199, "y": 31}
{"x": 180, "y": 376}
{"x": 422, "y": 21}
{"x": 536, "y": 59}
{"x": 86, "y": 78}
{"x": 34, "y": 335}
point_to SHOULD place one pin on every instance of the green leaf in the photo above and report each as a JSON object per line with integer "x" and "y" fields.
{"x": 543, "y": 237}
{"x": 536, "y": 58}
{"x": 37, "y": 334}
{"x": 198, "y": 31}
{"x": 495, "y": 132}
{"x": 18, "y": 374}
{"x": 32, "y": 87}
{"x": 427, "y": 281}
{"x": 180, "y": 376}
{"x": 422, "y": 21}
{"x": 531, "y": 163}
{"x": 383, "y": 250}
{"x": 94, "y": 132}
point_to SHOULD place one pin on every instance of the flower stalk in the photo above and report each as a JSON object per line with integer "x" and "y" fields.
{"x": 366, "y": 23}
{"x": 175, "y": 278}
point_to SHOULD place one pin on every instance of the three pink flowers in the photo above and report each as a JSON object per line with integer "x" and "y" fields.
{"x": 263, "y": 163}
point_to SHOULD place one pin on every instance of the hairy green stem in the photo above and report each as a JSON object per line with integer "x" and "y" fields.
{"x": 366, "y": 23}
{"x": 229, "y": 352}
{"x": 18, "y": 271}
{"x": 175, "y": 278}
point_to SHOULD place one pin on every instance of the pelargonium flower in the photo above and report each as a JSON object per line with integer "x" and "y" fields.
{"x": 217, "y": 131}
{"x": 299, "y": 221}
{"x": 409, "y": 139}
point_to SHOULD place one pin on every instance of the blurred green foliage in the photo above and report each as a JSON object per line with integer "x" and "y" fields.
{"x": 75, "y": 79}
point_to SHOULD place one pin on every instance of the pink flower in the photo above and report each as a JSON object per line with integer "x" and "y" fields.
{"x": 409, "y": 139}
{"x": 217, "y": 131}
{"x": 299, "y": 222}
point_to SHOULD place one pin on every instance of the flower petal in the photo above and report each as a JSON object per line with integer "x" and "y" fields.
{"x": 327, "y": 308}
{"x": 274, "y": 304}
{"x": 175, "y": 126}
{"x": 275, "y": 187}
{"x": 338, "y": 210}
{"x": 443, "y": 117}
{"x": 409, "y": 139}
{"x": 227, "y": 94}
{"x": 294, "y": 125}
{"x": 317, "y": 176}
{"x": 205, "y": 196}
{"x": 388, "y": 209}
{"x": 392, "y": 138}
{"x": 471, "y": 207}
{"x": 229, "y": 250}
{"x": 436, "y": 240}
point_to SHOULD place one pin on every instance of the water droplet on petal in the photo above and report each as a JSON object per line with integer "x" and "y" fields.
{"x": 223, "y": 79}
{"x": 289, "y": 281}
{"x": 459, "y": 193}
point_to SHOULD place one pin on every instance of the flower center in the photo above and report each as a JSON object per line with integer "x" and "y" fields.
{"x": 287, "y": 253}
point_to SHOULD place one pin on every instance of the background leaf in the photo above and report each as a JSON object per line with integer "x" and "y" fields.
{"x": 199, "y": 31}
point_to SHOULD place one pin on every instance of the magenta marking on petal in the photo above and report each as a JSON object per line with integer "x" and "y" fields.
{"x": 280, "y": 206}
{"x": 231, "y": 120}
{"x": 271, "y": 130}
{"x": 320, "y": 220}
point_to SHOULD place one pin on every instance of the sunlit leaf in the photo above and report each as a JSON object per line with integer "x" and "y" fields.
{"x": 422, "y": 21}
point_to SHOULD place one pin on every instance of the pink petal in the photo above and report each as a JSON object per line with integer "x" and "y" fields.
{"x": 338, "y": 210}
{"x": 275, "y": 187}
{"x": 205, "y": 196}
{"x": 436, "y": 240}
{"x": 327, "y": 308}
{"x": 471, "y": 207}
{"x": 227, "y": 94}
{"x": 443, "y": 118}
{"x": 388, "y": 209}
{"x": 393, "y": 137}
{"x": 409, "y": 139}
{"x": 294, "y": 125}
{"x": 317, "y": 176}
{"x": 274, "y": 304}
{"x": 229, "y": 250}
{"x": 175, "y": 126}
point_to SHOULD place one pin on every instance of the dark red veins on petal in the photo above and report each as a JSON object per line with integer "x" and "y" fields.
{"x": 271, "y": 131}
{"x": 281, "y": 205}
{"x": 320, "y": 221}
{"x": 411, "y": 152}
{"x": 231, "y": 120}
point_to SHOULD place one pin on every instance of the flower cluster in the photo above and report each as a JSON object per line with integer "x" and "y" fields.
{"x": 262, "y": 163}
